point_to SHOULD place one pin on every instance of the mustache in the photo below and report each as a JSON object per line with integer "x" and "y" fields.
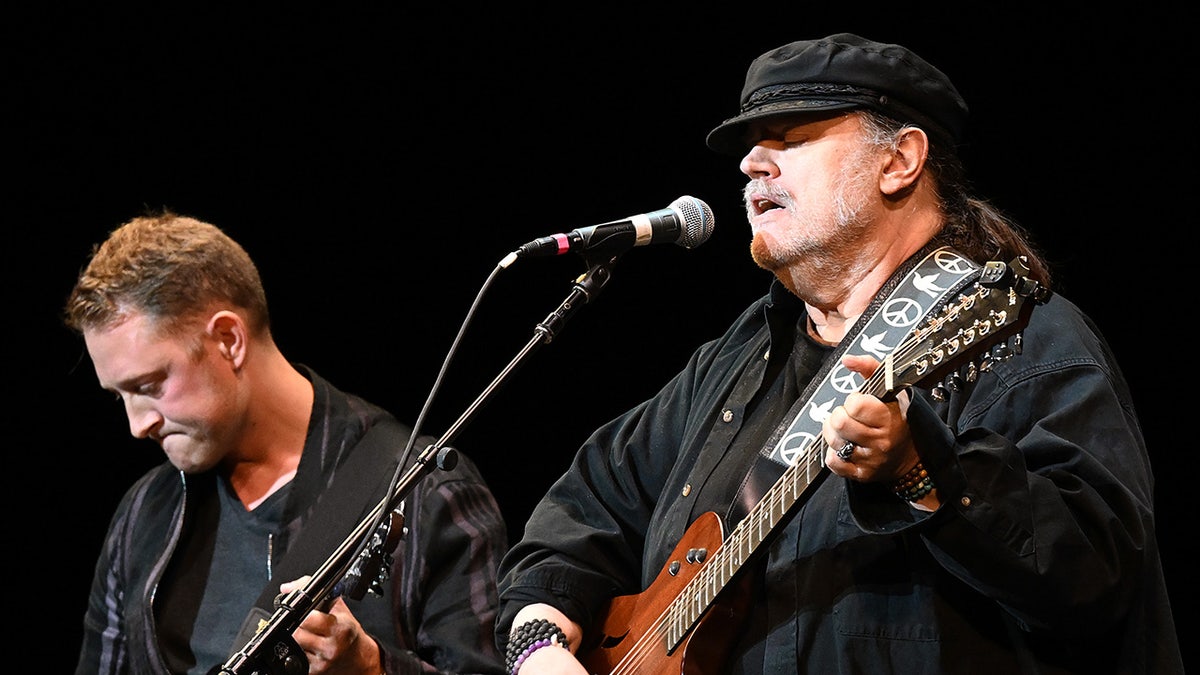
{"x": 758, "y": 188}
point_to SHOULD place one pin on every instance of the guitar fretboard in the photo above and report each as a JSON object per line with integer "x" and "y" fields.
{"x": 741, "y": 544}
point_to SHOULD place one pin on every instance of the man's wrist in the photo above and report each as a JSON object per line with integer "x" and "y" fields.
{"x": 529, "y": 637}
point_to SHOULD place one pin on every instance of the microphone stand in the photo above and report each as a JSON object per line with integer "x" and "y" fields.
{"x": 273, "y": 650}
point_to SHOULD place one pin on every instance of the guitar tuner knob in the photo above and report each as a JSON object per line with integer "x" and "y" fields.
{"x": 1018, "y": 343}
{"x": 1027, "y": 287}
{"x": 972, "y": 372}
{"x": 1001, "y": 352}
{"x": 294, "y": 664}
{"x": 938, "y": 393}
{"x": 954, "y": 382}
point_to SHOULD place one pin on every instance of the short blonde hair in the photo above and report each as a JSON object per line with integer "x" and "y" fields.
{"x": 169, "y": 267}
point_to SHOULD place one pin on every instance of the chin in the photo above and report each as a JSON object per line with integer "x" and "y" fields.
{"x": 190, "y": 460}
{"x": 761, "y": 252}
{"x": 190, "y": 467}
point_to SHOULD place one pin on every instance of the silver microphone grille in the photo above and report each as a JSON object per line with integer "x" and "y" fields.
{"x": 697, "y": 221}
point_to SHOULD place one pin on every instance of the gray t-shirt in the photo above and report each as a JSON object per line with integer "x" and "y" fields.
{"x": 237, "y": 572}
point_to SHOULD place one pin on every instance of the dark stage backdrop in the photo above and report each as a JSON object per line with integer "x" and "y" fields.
{"x": 379, "y": 164}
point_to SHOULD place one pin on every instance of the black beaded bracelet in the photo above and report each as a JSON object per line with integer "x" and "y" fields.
{"x": 528, "y": 638}
{"x": 914, "y": 485}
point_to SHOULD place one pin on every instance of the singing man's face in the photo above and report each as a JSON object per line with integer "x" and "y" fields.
{"x": 813, "y": 188}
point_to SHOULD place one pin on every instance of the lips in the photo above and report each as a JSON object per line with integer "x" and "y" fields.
{"x": 762, "y": 202}
{"x": 763, "y": 205}
{"x": 760, "y": 210}
{"x": 163, "y": 436}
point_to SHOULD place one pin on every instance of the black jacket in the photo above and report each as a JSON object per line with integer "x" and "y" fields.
{"x": 439, "y": 603}
{"x": 1042, "y": 557}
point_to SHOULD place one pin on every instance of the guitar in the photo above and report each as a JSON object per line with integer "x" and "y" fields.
{"x": 682, "y": 622}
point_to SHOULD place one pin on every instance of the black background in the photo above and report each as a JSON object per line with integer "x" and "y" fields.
{"x": 379, "y": 163}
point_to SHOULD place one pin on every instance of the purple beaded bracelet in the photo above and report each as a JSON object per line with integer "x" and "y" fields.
{"x": 529, "y": 650}
{"x": 530, "y": 637}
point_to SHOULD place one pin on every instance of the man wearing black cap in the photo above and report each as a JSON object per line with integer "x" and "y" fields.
{"x": 908, "y": 456}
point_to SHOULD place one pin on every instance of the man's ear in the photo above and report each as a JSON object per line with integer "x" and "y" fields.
{"x": 229, "y": 330}
{"x": 905, "y": 163}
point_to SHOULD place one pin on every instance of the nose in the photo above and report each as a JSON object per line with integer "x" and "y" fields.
{"x": 143, "y": 418}
{"x": 758, "y": 162}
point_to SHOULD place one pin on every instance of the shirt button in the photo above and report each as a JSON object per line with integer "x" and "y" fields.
{"x": 687, "y": 489}
{"x": 966, "y": 501}
{"x": 727, "y": 415}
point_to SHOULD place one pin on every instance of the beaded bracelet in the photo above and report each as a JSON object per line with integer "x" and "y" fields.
{"x": 914, "y": 485}
{"x": 530, "y": 637}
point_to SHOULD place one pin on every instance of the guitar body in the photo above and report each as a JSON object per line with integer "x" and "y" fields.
{"x": 632, "y": 640}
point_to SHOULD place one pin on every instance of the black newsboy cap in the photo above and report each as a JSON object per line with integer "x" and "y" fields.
{"x": 845, "y": 72}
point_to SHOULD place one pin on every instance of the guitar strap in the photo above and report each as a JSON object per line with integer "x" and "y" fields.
{"x": 919, "y": 288}
{"x": 356, "y": 489}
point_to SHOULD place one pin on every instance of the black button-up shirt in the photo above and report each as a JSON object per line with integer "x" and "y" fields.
{"x": 1042, "y": 557}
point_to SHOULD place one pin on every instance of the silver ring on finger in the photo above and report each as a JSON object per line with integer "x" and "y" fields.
{"x": 845, "y": 452}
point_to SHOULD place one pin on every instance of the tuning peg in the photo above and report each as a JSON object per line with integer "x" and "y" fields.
{"x": 938, "y": 393}
{"x": 972, "y": 372}
{"x": 954, "y": 382}
{"x": 1001, "y": 351}
{"x": 1018, "y": 343}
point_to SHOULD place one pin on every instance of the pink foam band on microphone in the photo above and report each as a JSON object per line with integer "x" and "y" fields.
{"x": 564, "y": 245}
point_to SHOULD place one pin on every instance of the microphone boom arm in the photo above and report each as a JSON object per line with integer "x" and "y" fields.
{"x": 586, "y": 287}
{"x": 272, "y": 650}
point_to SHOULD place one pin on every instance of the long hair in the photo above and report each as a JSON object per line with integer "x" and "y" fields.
{"x": 970, "y": 223}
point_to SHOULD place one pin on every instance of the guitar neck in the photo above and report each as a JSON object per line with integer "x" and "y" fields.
{"x": 744, "y": 541}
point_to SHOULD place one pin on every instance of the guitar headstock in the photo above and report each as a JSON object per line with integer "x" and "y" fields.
{"x": 979, "y": 328}
{"x": 372, "y": 567}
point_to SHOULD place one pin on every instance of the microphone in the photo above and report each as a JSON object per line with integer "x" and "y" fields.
{"x": 687, "y": 221}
